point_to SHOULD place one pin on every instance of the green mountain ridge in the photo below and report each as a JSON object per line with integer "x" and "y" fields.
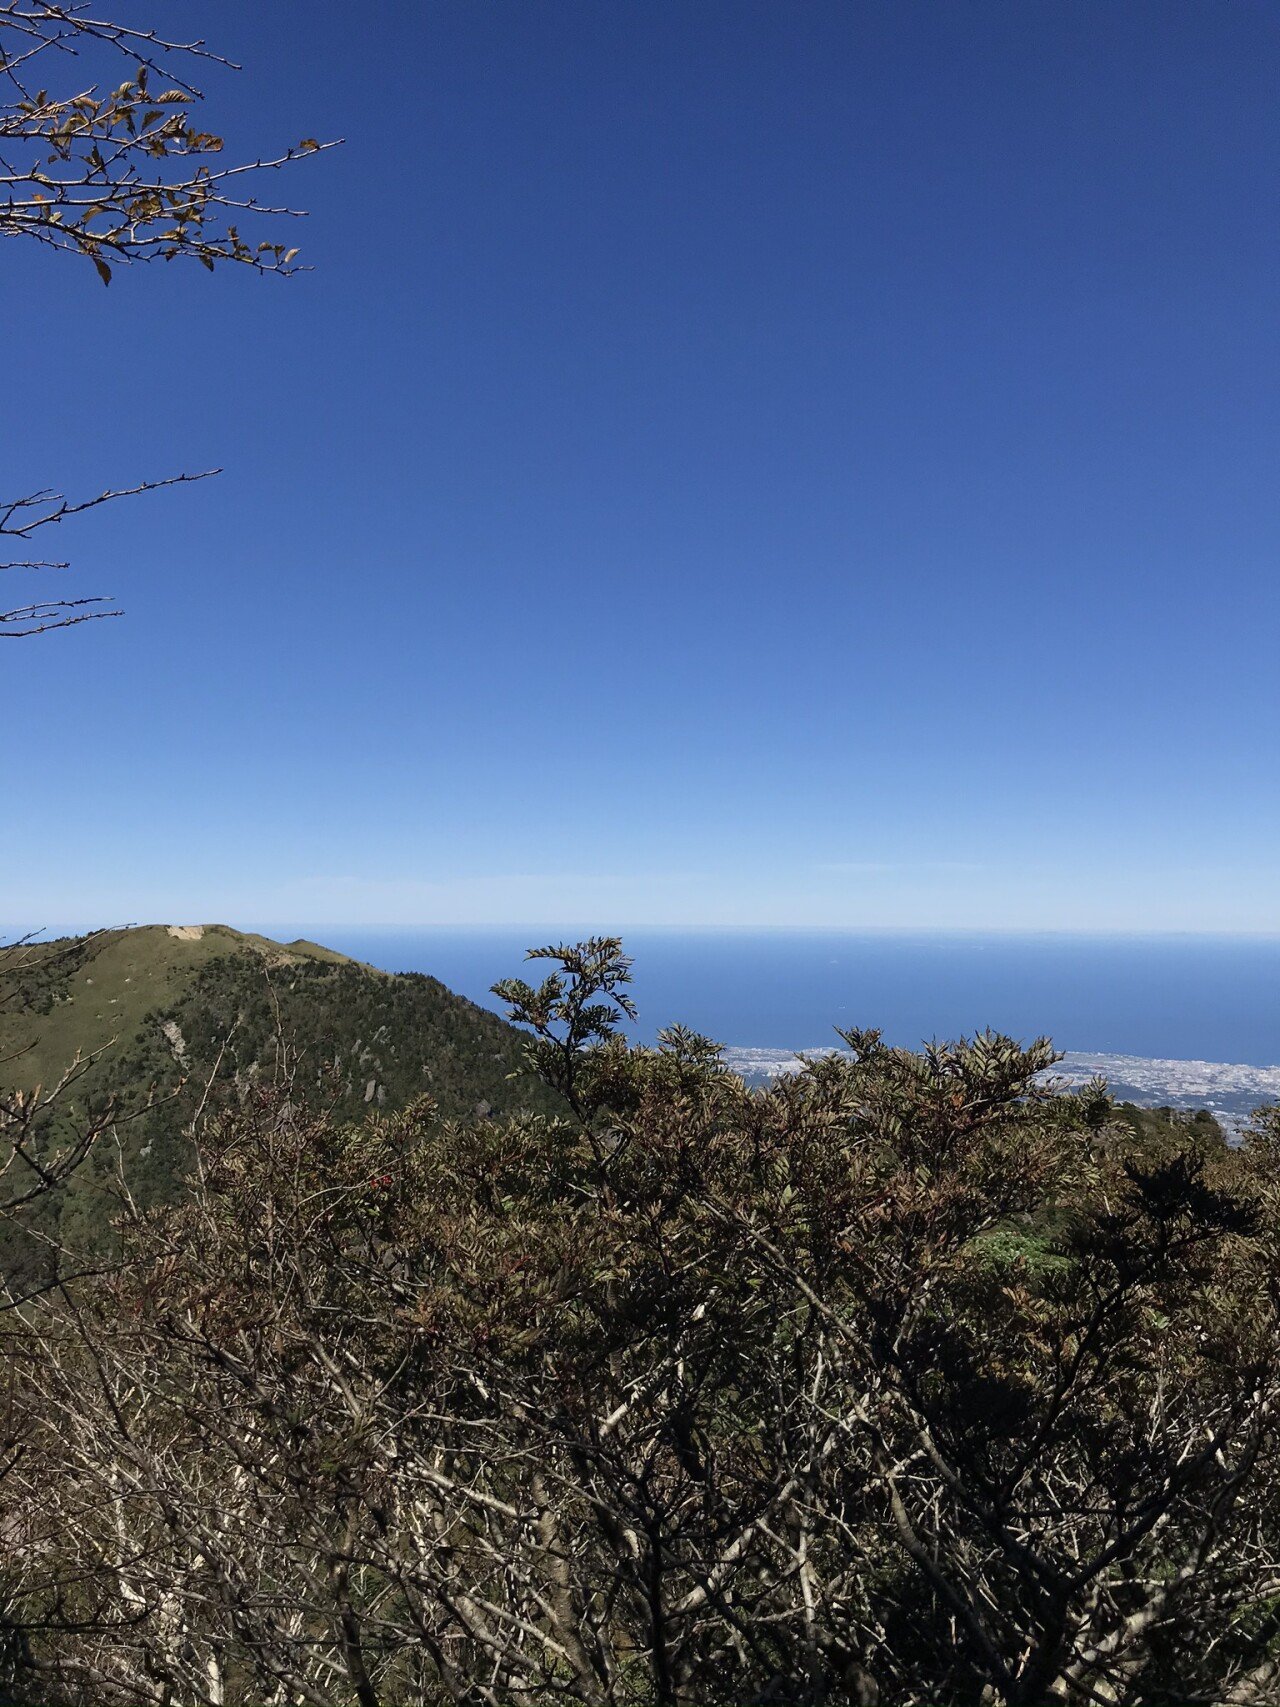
{"x": 81, "y": 995}
{"x": 154, "y": 1013}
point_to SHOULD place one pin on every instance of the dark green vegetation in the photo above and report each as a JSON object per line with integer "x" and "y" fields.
{"x": 154, "y": 1014}
{"x": 899, "y": 1380}
{"x": 1193, "y": 1126}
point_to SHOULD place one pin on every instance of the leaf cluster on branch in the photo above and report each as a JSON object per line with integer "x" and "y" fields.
{"x": 125, "y": 173}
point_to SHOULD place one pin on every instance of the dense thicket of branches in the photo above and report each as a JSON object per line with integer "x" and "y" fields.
{"x": 904, "y": 1380}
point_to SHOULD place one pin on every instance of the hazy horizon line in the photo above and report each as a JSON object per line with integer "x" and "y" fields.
{"x": 563, "y": 927}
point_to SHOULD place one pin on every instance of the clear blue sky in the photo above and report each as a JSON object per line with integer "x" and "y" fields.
{"x": 731, "y": 464}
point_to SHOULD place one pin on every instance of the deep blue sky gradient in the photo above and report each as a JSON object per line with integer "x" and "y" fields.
{"x": 731, "y": 464}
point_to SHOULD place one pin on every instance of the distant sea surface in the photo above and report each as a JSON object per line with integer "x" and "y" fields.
{"x": 1192, "y": 1021}
{"x": 1171, "y": 997}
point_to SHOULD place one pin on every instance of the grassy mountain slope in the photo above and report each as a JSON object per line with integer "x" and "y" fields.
{"x": 158, "y": 1003}
{"x": 158, "y": 1010}
{"x": 80, "y": 996}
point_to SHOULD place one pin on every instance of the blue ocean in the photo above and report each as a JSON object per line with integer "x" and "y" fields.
{"x": 1170, "y": 996}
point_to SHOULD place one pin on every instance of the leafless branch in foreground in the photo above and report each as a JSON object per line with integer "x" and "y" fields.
{"x": 21, "y": 518}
